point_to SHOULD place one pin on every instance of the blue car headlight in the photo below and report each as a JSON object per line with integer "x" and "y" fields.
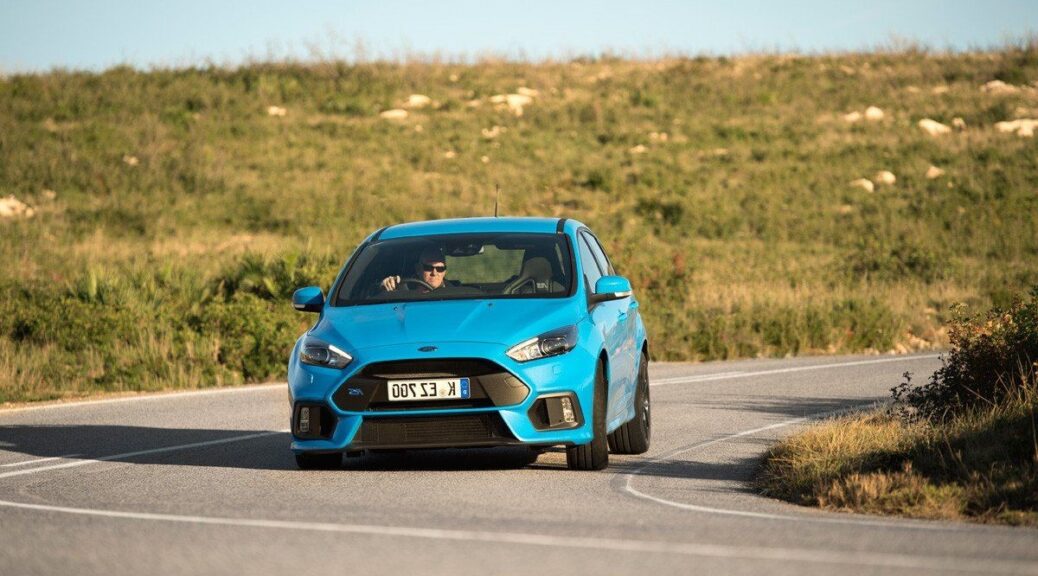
{"x": 551, "y": 343}
{"x": 320, "y": 353}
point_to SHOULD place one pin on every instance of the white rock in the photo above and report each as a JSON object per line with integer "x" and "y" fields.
{"x": 933, "y": 127}
{"x": 885, "y": 177}
{"x": 999, "y": 87}
{"x": 454, "y": 77}
{"x": 933, "y": 172}
{"x": 276, "y": 111}
{"x": 450, "y": 154}
{"x": 873, "y": 114}
{"x": 1006, "y": 127}
{"x": 130, "y": 160}
{"x": 484, "y": 159}
{"x": 515, "y": 102}
{"x": 11, "y": 207}
{"x": 864, "y": 183}
{"x": 492, "y": 132}
{"x": 394, "y": 114}
{"x": 639, "y": 149}
{"x": 852, "y": 117}
{"x": 474, "y": 103}
{"x": 417, "y": 101}
{"x": 938, "y": 90}
{"x": 958, "y": 123}
{"x": 1021, "y": 126}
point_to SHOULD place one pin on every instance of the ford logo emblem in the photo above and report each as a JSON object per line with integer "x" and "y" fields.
{"x": 427, "y": 349}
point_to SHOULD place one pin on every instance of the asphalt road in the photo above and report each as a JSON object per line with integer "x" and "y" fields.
{"x": 203, "y": 483}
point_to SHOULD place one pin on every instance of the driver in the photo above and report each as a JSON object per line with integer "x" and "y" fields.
{"x": 431, "y": 269}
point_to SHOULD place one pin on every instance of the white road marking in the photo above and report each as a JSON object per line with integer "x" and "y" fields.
{"x": 682, "y": 379}
{"x": 146, "y": 396}
{"x": 39, "y": 460}
{"x": 729, "y": 375}
{"x": 841, "y": 557}
{"x": 139, "y": 453}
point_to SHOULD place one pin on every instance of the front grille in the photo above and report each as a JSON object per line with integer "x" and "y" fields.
{"x": 490, "y": 385}
{"x": 485, "y": 429}
{"x": 431, "y": 368}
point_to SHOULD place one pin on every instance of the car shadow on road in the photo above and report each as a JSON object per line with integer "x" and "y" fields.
{"x": 242, "y": 449}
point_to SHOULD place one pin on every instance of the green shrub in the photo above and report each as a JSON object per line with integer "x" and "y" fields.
{"x": 275, "y": 279}
{"x": 992, "y": 358}
{"x": 253, "y": 336}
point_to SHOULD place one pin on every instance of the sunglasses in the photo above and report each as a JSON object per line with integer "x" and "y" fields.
{"x": 429, "y": 268}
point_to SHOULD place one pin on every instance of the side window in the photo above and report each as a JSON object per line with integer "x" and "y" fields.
{"x": 603, "y": 263}
{"x": 591, "y": 271}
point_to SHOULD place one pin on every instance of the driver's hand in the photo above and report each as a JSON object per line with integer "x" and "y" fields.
{"x": 390, "y": 283}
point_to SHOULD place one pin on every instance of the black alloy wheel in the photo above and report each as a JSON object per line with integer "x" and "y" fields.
{"x": 634, "y": 436}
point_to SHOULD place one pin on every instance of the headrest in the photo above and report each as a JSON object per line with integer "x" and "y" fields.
{"x": 537, "y": 268}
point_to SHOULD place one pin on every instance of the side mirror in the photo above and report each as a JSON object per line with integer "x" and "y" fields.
{"x": 611, "y": 288}
{"x": 309, "y": 299}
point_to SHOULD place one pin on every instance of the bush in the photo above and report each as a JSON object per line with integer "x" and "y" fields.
{"x": 991, "y": 359}
{"x": 254, "y": 336}
{"x": 276, "y": 278}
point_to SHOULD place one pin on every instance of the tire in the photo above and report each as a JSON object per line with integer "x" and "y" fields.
{"x": 634, "y": 436}
{"x": 595, "y": 454}
{"x": 331, "y": 461}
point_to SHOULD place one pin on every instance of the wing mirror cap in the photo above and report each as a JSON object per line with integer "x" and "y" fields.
{"x": 309, "y": 299}
{"x": 611, "y": 288}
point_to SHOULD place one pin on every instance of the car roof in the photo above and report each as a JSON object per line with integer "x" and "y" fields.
{"x": 530, "y": 225}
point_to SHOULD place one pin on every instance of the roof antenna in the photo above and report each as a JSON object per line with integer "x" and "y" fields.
{"x": 497, "y": 193}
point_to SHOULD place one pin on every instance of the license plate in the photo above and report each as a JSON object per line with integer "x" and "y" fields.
{"x": 430, "y": 389}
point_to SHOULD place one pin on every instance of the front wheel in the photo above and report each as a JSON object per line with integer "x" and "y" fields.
{"x": 634, "y": 436}
{"x": 331, "y": 461}
{"x": 595, "y": 454}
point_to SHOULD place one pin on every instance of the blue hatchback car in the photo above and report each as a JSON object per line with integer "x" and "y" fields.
{"x": 472, "y": 332}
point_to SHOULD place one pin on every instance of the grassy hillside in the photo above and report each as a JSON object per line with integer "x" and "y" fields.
{"x": 174, "y": 213}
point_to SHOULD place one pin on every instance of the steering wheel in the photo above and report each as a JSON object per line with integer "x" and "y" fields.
{"x": 421, "y": 283}
{"x": 515, "y": 285}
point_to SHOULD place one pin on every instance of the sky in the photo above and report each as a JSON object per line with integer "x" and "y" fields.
{"x": 38, "y": 35}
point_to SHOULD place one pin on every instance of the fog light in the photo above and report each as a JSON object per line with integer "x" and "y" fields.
{"x": 567, "y": 411}
{"x": 556, "y": 412}
{"x": 304, "y": 420}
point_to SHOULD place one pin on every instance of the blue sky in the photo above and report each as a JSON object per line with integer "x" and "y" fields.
{"x": 95, "y": 34}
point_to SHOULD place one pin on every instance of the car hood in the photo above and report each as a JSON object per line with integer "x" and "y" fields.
{"x": 502, "y": 321}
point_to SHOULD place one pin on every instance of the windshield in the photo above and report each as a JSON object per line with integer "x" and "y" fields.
{"x": 459, "y": 267}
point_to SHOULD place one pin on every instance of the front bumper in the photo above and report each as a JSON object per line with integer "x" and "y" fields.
{"x": 500, "y": 415}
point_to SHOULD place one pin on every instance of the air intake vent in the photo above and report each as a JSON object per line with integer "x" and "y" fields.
{"x": 485, "y": 429}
